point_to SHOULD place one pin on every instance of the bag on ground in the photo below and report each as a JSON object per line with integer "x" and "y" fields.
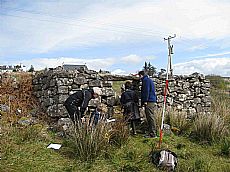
{"x": 165, "y": 159}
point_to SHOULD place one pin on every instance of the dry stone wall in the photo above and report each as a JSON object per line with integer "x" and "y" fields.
{"x": 190, "y": 94}
{"x": 52, "y": 87}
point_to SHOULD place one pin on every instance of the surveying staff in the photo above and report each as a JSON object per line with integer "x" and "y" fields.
{"x": 77, "y": 103}
{"x": 148, "y": 100}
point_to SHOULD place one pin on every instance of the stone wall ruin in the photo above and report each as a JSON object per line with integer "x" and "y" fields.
{"x": 190, "y": 94}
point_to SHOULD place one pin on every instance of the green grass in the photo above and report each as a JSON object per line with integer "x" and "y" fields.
{"x": 32, "y": 155}
{"x": 24, "y": 149}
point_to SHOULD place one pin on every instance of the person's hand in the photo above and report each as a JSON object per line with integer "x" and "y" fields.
{"x": 144, "y": 104}
{"x": 83, "y": 120}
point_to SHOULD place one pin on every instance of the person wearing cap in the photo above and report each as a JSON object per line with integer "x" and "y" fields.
{"x": 148, "y": 100}
{"x": 77, "y": 103}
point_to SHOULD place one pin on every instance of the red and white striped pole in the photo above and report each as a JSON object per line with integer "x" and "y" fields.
{"x": 169, "y": 68}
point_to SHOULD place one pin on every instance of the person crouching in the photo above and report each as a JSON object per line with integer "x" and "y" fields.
{"x": 77, "y": 103}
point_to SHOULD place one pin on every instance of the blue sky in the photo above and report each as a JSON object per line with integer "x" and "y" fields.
{"x": 116, "y": 35}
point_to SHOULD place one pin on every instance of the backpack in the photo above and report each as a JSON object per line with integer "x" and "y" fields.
{"x": 165, "y": 159}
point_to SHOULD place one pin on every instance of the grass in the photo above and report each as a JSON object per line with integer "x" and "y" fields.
{"x": 24, "y": 148}
{"x": 32, "y": 154}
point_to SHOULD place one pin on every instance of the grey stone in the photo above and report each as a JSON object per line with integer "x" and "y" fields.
{"x": 79, "y": 81}
{"x": 107, "y": 92}
{"x": 197, "y": 100}
{"x": 63, "y": 90}
{"x": 182, "y": 97}
{"x": 64, "y": 121}
{"x": 110, "y": 101}
{"x": 63, "y": 97}
{"x": 4, "y": 108}
{"x": 94, "y": 102}
{"x": 95, "y": 83}
{"x": 196, "y": 84}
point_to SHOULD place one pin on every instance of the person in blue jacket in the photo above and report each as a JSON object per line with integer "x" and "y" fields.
{"x": 148, "y": 100}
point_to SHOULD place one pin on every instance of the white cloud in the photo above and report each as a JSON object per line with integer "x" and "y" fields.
{"x": 95, "y": 63}
{"x": 217, "y": 66}
{"x": 96, "y": 23}
{"x": 41, "y": 63}
{"x": 211, "y": 55}
{"x": 131, "y": 59}
{"x": 119, "y": 72}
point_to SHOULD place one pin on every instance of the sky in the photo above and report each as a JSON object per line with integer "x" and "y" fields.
{"x": 117, "y": 35}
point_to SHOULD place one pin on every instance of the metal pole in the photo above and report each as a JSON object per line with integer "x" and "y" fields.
{"x": 169, "y": 68}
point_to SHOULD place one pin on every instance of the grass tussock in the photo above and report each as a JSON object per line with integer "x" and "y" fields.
{"x": 209, "y": 128}
{"x": 178, "y": 120}
{"x": 119, "y": 133}
{"x": 88, "y": 143}
{"x": 225, "y": 147}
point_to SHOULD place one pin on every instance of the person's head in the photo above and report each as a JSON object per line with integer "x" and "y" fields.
{"x": 141, "y": 73}
{"x": 96, "y": 92}
{"x": 128, "y": 85}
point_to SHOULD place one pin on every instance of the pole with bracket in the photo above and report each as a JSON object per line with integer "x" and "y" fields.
{"x": 169, "y": 68}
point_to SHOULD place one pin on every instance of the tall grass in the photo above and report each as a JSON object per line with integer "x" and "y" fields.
{"x": 175, "y": 119}
{"x": 178, "y": 120}
{"x": 119, "y": 133}
{"x": 209, "y": 128}
{"x": 88, "y": 143}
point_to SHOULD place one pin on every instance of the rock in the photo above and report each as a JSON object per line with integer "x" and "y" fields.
{"x": 95, "y": 83}
{"x": 107, "y": 92}
{"x": 79, "y": 81}
{"x": 63, "y": 90}
{"x": 167, "y": 129}
{"x": 64, "y": 121}
{"x": 4, "y": 108}
{"x": 27, "y": 121}
{"x": 182, "y": 97}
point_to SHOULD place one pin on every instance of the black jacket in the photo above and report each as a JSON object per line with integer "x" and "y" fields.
{"x": 129, "y": 100}
{"x": 80, "y": 99}
{"x": 129, "y": 96}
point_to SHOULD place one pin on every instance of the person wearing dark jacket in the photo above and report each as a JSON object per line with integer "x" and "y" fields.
{"x": 129, "y": 101}
{"x": 148, "y": 100}
{"x": 77, "y": 103}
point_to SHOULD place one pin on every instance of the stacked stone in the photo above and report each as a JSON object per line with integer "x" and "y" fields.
{"x": 53, "y": 86}
{"x": 190, "y": 94}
